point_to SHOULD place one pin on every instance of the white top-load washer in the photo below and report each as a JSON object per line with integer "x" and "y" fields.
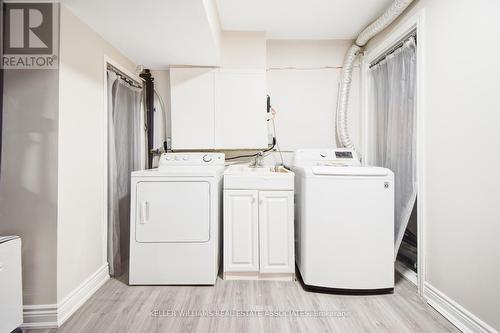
{"x": 344, "y": 222}
{"x": 175, "y": 220}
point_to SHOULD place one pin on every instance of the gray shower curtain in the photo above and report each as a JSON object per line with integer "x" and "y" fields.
{"x": 393, "y": 99}
{"x": 124, "y": 156}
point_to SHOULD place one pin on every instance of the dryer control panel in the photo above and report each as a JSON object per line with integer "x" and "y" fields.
{"x": 335, "y": 157}
{"x": 194, "y": 159}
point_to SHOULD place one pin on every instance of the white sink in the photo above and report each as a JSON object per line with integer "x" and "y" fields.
{"x": 244, "y": 177}
{"x": 233, "y": 169}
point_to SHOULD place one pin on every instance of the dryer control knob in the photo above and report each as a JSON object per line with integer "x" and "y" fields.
{"x": 207, "y": 158}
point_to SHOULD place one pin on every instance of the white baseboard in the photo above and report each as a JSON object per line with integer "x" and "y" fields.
{"x": 81, "y": 294}
{"x": 40, "y": 316}
{"x": 54, "y": 315}
{"x": 455, "y": 313}
{"x": 406, "y": 272}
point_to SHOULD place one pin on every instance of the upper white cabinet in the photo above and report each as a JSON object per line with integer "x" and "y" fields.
{"x": 240, "y": 117}
{"x": 218, "y": 108}
{"x": 192, "y": 107}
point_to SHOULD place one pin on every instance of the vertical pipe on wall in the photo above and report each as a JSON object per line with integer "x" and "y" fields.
{"x": 149, "y": 104}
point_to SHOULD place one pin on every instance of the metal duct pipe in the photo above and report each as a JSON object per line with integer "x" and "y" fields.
{"x": 393, "y": 12}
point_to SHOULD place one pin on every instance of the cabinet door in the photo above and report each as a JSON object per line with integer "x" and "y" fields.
{"x": 276, "y": 232}
{"x": 240, "y": 117}
{"x": 192, "y": 107}
{"x": 241, "y": 231}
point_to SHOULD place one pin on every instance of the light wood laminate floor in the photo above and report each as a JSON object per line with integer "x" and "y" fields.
{"x": 117, "y": 307}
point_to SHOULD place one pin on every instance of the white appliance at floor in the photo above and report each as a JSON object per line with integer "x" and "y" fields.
{"x": 175, "y": 220}
{"x": 344, "y": 222}
{"x": 11, "y": 288}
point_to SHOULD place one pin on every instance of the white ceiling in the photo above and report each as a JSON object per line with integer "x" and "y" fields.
{"x": 300, "y": 19}
{"x": 159, "y": 33}
{"x": 154, "y": 33}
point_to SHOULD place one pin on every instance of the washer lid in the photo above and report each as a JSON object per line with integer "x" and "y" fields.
{"x": 350, "y": 171}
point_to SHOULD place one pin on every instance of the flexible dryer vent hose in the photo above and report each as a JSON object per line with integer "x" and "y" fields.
{"x": 394, "y": 10}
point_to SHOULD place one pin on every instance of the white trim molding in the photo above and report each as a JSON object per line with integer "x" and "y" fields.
{"x": 54, "y": 315}
{"x": 81, "y": 294}
{"x": 454, "y": 312}
{"x": 40, "y": 316}
{"x": 406, "y": 272}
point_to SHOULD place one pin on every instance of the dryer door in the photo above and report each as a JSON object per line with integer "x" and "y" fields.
{"x": 172, "y": 211}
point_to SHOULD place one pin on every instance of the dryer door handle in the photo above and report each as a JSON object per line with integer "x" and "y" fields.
{"x": 144, "y": 212}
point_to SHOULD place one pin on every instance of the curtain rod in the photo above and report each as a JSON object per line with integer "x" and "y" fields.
{"x": 396, "y": 46}
{"x": 124, "y": 76}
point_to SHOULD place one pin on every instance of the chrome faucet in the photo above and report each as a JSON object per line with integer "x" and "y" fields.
{"x": 257, "y": 162}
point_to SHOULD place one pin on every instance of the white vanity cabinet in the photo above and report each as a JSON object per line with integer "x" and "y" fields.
{"x": 215, "y": 108}
{"x": 258, "y": 230}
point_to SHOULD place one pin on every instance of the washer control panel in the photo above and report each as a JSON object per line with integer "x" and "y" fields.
{"x": 200, "y": 159}
{"x": 335, "y": 157}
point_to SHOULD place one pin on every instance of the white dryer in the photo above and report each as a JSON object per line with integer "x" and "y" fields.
{"x": 175, "y": 220}
{"x": 344, "y": 222}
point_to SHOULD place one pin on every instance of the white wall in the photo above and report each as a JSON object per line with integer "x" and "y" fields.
{"x": 303, "y": 81}
{"x": 213, "y": 21}
{"x": 82, "y": 152}
{"x": 28, "y": 179}
{"x": 462, "y": 117}
{"x": 246, "y": 50}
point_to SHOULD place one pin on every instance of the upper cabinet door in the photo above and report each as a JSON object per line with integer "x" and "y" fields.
{"x": 240, "y": 118}
{"x": 276, "y": 232}
{"x": 192, "y": 107}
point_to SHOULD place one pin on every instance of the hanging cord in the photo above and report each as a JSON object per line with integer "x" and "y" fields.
{"x": 273, "y": 112}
